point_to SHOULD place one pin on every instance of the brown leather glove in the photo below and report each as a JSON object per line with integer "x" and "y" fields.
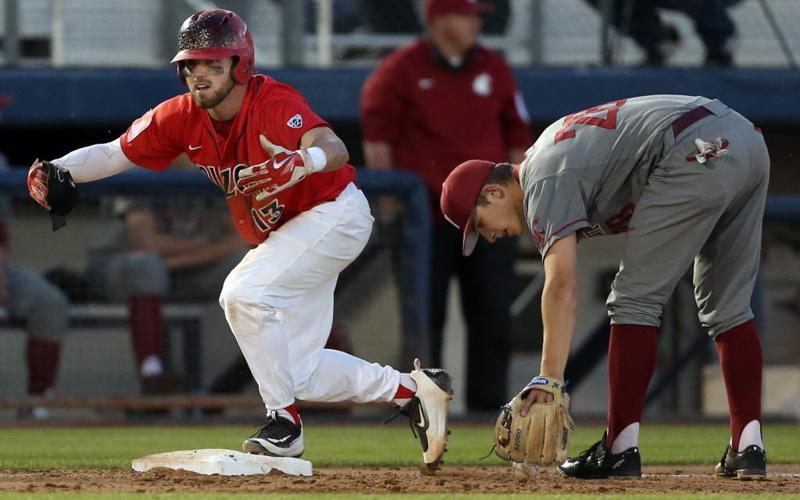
{"x": 542, "y": 435}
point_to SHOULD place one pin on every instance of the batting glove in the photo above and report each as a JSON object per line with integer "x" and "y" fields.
{"x": 283, "y": 170}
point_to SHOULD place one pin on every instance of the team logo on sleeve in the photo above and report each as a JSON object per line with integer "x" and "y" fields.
{"x": 295, "y": 122}
{"x": 482, "y": 84}
{"x": 139, "y": 125}
{"x": 426, "y": 83}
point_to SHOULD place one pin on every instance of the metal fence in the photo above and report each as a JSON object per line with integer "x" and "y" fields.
{"x": 324, "y": 33}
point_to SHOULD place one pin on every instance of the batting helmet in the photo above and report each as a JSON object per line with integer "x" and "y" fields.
{"x": 216, "y": 34}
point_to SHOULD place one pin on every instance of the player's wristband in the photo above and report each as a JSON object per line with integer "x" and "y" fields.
{"x": 316, "y": 159}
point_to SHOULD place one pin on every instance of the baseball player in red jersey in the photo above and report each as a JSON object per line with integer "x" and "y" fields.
{"x": 685, "y": 178}
{"x": 290, "y": 192}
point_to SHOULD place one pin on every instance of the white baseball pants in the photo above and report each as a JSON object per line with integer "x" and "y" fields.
{"x": 279, "y": 304}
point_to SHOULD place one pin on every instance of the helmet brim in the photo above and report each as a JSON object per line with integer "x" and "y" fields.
{"x": 210, "y": 54}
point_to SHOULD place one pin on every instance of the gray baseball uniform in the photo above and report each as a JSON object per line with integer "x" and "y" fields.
{"x": 41, "y": 304}
{"x": 632, "y": 166}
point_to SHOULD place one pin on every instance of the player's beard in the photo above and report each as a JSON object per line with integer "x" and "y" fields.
{"x": 216, "y": 98}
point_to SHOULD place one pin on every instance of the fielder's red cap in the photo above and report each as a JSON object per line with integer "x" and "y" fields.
{"x": 459, "y": 193}
{"x": 435, "y": 8}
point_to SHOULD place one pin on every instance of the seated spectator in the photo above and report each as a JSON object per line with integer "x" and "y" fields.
{"x": 44, "y": 309}
{"x": 156, "y": 250}
{"x": 641, "y": 21}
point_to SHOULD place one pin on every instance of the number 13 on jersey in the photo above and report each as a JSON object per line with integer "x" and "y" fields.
{"x": 604, "y": 116}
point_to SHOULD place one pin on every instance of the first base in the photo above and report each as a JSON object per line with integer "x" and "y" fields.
{"x": 223, "y": 462}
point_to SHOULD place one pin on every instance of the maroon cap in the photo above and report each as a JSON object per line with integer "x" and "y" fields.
{"x": 459, "y": 193}
{"x": 435, "y": 8}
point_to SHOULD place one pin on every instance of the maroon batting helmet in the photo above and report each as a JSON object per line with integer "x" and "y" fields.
{"x": 216, "y": 34}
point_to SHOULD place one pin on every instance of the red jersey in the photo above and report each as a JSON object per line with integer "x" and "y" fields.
{"x": 436, "y": 117}
{"x": 271, "y": 108}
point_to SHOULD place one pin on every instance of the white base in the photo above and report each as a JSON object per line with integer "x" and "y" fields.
{"x": 223, "y": 462}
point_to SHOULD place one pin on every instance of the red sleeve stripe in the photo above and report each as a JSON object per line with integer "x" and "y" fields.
{"x": 561, "y": 230}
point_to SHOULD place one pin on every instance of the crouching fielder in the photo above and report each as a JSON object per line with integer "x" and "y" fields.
{"x": 291, "y": 194}
{"x": 685, "y": 178}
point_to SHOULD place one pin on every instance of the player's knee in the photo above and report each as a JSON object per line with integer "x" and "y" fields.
{"x": 50, "y": 318}
{"x": 147, "y": 274}
{"x": 625, "y": 313}
{"x": 236, "y": 301}
{"x": 51, "y": 301}
{"x": 717, "y": 322}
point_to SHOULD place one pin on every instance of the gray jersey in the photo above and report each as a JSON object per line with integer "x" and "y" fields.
{"x": 587, "y": 170}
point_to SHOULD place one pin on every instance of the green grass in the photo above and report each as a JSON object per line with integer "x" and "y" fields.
{"x": 352, "y": 446}
{"x": 358, "y": 445}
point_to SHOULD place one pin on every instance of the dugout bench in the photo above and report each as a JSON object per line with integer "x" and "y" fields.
{"x": 187, "y": 318}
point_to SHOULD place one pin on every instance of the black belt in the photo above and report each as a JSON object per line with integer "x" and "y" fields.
{"x": 688, "y": 118}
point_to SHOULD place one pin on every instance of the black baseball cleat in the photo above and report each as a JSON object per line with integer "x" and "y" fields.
{"x": 279, "y": 437}
{"x": 748, "y": 464}
{"x": 427, "y": 413}
{"x": 599, "y": 463}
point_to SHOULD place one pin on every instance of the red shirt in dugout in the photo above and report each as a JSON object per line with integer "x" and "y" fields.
{"x": 270, "y": 108}
{"x": 436, "y": 117}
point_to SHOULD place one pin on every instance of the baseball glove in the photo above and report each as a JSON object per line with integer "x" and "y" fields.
{"x": 53, "y": 188}
{"x": 540, "y": 437}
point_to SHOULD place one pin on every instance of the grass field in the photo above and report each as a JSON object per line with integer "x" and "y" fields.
{"x": 351, "y": 447}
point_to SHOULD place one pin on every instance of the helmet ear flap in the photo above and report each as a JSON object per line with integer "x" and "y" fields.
{"x": 179, "y": 68}
{"x": 236, "y": 70}
{"x": 243, "y": 64}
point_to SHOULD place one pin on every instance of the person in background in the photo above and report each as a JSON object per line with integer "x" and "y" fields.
{"x": 426, "y": 108}
{"x": 156, "y": 250}
{"x": 641, "y": 21}
{"x": 26, "y": 296}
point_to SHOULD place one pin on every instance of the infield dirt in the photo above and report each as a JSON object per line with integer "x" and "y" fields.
{"x": 457, "y": 479}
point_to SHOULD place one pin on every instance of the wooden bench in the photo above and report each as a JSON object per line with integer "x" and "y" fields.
{"x": 186, "y": 317}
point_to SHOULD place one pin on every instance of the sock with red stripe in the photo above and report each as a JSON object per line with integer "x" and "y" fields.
{"x": 291, "y": 413}
{"x": 42, "y": 357}
{"x": 632, "y": 353}
{"x": 405, "y": 390}
{"x": 741, "y": 360}
{"x": 144, "y": 313}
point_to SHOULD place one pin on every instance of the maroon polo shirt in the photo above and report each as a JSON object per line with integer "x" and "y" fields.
{"x": 436, "y": 116}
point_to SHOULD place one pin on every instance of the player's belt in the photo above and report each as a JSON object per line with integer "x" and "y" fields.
{"x": 689, "y": 118}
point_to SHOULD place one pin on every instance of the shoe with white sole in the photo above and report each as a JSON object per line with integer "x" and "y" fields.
{"x": 279, "y": 437}
{"x": 427, "y": 412}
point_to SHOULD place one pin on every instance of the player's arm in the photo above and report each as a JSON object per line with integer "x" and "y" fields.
{"x": 217, "y": 247}
{"x": 208, "y": 253}
{"x": 336, "y": 155}
{"x": 144, "y": 235}
{"x": 559, "y": 304}
{"x": 95, "y": 162}
{"x": 82, "y": 165}
{"x": 559, "y": 299}
{"x": 378, "y": 155}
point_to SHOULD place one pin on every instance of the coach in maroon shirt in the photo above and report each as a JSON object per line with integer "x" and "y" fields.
{"x": 429, "y": 106}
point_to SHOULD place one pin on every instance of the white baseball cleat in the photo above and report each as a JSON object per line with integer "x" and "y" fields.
{"x": 427, "y": 412}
